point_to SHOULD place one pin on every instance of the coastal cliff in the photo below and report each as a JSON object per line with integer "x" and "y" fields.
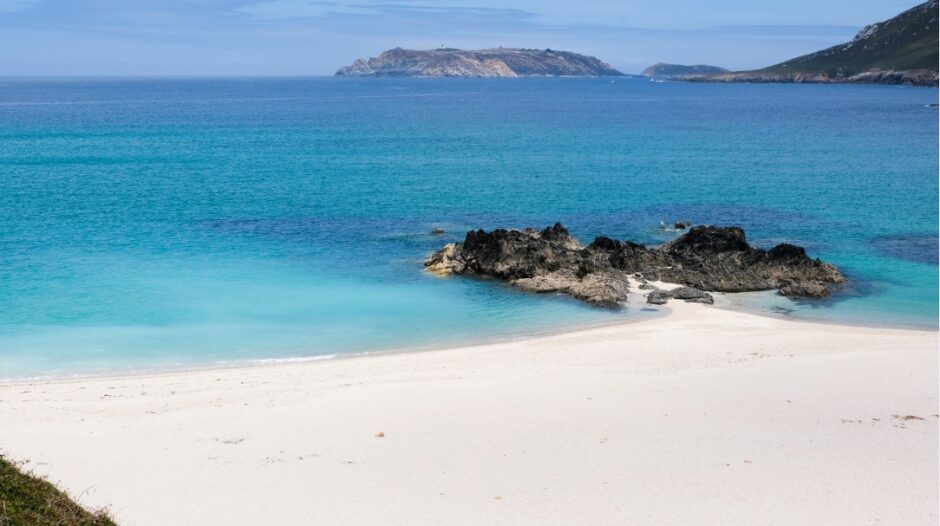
{"x": 901, "y": 50}
{"x": 498, "y": 62}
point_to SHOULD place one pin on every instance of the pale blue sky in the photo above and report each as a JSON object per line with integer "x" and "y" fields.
{"x": 304, "y": 37}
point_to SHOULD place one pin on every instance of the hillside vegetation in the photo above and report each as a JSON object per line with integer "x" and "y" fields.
{"x": 901, "y": 50}
{"x": 26, "y": 500}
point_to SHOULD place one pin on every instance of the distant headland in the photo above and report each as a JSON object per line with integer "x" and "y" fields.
{"x": 496, "y": 62}
{"x": 662, "y": 70}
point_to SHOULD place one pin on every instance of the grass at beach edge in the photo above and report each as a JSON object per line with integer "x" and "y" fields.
{"x": 28, "y": 499}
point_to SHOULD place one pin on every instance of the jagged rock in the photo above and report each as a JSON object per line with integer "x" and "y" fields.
{"x": 707, "y": 258}
{"x": 443, "y": 262}
{"x": 680, "y": 225}
{"x": 539, "y": 261}
{"x": 720, "y": 259}
{"x": 437, "y": 231}
{"x": 598, "y": 289}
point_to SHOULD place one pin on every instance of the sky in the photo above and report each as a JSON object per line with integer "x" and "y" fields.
{"x": 312, "y": 37}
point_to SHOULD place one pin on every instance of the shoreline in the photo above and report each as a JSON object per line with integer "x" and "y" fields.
{"x": 731, "y": 305}
{"x": 705, "y": 416}
{"x": 663, "y": 312}
{"x": 222, "y": 365}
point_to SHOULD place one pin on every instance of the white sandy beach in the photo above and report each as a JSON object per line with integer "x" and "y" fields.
{"x": 707, "y": 416}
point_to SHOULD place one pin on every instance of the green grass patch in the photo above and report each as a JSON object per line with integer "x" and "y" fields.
{"x": 29, "y": 500}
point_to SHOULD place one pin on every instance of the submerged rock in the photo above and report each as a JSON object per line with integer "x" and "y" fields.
{"x": 812, "y": 289}
{"x": 706, "y": 258}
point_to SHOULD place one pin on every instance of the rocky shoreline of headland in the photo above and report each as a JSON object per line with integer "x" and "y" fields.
{"x": 916, "y": 77}
{"x": 706, "y": 258}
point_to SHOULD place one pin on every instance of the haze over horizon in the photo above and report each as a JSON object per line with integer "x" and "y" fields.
{"x": 306, "y": 37}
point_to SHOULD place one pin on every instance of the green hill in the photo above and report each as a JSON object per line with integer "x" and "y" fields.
{"x": 902, "y": 50}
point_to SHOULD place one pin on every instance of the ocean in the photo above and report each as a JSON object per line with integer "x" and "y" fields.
{"x": 160, "y": 223}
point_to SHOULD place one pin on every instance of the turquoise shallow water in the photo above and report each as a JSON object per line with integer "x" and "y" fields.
{"x": 153, "y": 223}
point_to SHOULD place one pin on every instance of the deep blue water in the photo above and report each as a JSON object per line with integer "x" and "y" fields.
{"x": 151, "y": 223}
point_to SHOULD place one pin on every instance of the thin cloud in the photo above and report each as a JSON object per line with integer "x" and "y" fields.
{"x": 282, "y": 9}
{"x": 16, "y": 6}
{"x": 296, "y": 37}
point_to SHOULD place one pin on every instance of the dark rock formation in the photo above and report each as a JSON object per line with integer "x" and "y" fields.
{"x": 540, "y": 261}
{"x": 720, "y": 259}
{"x": 499, "y": 62}
{"x": 901, "y": 50}
{"x": 707, "y": 258}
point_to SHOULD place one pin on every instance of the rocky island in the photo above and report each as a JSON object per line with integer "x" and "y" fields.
{"x": 706, "y": 258}
{"x": 901, "y": 50}
{"x": 497, "y": 62}
{"x": 668, "y": 71}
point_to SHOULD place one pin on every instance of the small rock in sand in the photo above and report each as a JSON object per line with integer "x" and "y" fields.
{"x": 657, "y": 297}
{"x": 689, "y": 294}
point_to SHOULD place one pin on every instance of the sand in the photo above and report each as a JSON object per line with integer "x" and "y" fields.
{"x": 706, "y": 416}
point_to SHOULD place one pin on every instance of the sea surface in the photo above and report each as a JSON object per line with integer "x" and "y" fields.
{"x": 151, "y": 223}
